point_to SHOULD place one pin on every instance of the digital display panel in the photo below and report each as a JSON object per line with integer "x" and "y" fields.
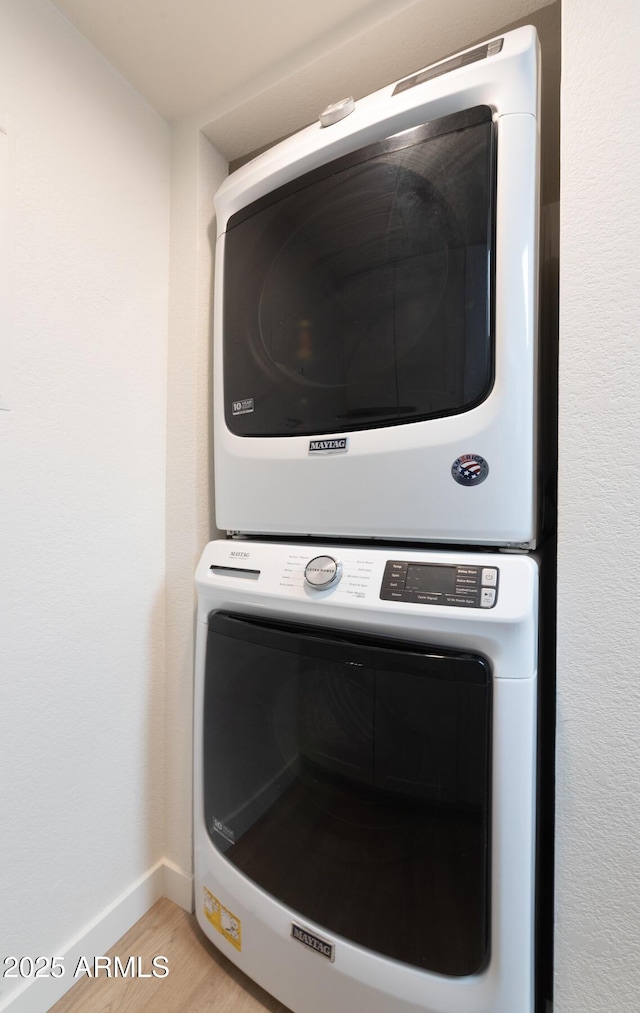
{"x": 421, "y": 577}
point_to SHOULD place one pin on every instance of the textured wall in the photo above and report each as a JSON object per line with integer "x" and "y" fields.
{"x": 82, "y": 480}
{"x": 598, "y": 823}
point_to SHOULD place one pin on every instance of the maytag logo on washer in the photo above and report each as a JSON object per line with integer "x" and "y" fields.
{"x": 335, "y": 446}
{"x": 317, "y": 943}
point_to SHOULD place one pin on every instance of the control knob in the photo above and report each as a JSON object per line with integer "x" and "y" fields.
{"x": 322, "y": 571}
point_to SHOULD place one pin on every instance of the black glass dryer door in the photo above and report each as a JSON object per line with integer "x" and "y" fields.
{"x": 349, "y": 778}
{"x": 358, "y": 296}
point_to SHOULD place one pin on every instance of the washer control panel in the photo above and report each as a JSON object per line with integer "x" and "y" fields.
{"x": 436, "y": 584}
{"x": 322, "y": 571}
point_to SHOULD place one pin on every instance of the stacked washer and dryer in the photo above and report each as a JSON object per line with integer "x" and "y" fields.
{"x": 368, "y": 633}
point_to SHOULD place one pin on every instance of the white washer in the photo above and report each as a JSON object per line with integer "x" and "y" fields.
{"x": 365, "y": 774}
{"x": 375, "y": 348}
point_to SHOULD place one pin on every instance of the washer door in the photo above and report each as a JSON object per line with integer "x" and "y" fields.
{"x": 349, "y": 777}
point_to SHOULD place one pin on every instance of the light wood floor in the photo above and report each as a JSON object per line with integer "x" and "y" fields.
{"x": 200, "y": 979}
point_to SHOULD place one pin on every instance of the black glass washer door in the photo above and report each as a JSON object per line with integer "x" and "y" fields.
{"x": 349, "y": 777}
{"x": 358, "y": 296}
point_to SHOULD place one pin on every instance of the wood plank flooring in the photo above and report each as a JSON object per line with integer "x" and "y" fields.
{"x": 200, "y": 979}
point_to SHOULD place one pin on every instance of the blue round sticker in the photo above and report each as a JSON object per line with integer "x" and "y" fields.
{"x": 470, "y": 469}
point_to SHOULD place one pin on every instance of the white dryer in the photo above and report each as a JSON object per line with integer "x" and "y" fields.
{"x": 365, "y": 774}
{"x": 375, "y": 314}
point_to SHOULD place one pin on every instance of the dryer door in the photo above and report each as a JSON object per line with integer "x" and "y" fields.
{"x": 349, "y": 777}
{"x": 359, "y": 295}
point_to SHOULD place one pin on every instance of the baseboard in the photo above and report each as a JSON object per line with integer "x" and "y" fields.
{"x": 39, "y": 995}
{"x": 178, "y": 885}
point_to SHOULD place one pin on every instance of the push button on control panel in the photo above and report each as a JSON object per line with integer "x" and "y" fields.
{"x": 489, "y": 576}
{"x": 440, "y": 584}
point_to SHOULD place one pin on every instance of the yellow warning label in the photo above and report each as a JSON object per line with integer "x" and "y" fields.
{"x": 223, "y": 920}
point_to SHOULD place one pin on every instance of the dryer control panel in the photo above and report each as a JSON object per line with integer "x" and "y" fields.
{"x": 436, "y": 584}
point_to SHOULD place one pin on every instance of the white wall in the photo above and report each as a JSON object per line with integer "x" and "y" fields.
{"x": 598, "y": 818}
{"x": 197, "y": 171}
{"x": 82, "y": 489}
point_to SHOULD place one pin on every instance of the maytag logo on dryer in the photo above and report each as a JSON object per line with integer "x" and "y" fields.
{"x": 239, "y": 555}
{"x": 335, "y": 446}
{"x": 314, "y": 942}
